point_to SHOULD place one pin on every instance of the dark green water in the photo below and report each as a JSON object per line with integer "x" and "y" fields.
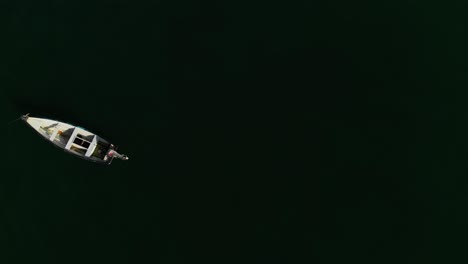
{"x": 269, "y": 132}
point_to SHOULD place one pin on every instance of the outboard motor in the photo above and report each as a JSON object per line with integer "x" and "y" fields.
{"x": 115, "y": 154}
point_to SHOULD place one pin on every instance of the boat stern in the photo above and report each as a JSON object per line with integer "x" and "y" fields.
{"x": 112, "y": 153}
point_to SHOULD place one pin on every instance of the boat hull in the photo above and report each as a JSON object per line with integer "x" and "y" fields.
{"x": 73, "y": 139}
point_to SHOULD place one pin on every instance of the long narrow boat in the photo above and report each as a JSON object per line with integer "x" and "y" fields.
{"x": 75, "y": 140}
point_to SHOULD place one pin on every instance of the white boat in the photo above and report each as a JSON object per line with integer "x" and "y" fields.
{"x": 75, "y": 140}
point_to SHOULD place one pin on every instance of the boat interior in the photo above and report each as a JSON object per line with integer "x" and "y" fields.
{"x": 74, "y": 139}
